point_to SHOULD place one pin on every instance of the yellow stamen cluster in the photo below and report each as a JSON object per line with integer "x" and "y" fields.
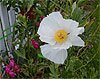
{"x": 60, "y": 36}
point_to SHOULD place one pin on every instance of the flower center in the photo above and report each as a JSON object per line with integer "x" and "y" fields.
{"x": 60, "y": 36}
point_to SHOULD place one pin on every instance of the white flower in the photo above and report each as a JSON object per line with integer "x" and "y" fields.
{"x": 60, "y": 34}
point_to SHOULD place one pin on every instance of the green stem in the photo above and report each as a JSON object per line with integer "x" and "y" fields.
{"x": 48, "y": 2}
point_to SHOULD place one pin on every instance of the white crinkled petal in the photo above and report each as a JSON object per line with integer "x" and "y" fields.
{"x": 64, "y": 45}
{"x": 77, "y": 41}
{"x": 77, "y": 31}
{"x": 69, "y": 25}
{"x": 45, "y": 28}
{"x": 57, "y": 56}
{"x": 56, "y": 16}
{"x": 72, "y": 23}
{"x": 50, "y": 24}
{"x": 81, "y": 30}
{"x": 49, "y": 40}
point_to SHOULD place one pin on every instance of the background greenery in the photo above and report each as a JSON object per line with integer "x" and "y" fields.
{"x": 82, "y": 62}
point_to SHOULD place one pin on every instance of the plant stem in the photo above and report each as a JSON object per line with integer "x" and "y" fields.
{"x": 48, "y": 1}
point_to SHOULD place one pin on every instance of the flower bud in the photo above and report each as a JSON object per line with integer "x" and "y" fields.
{"x": 35, "y": 43}
{"x": 41, "y": 17}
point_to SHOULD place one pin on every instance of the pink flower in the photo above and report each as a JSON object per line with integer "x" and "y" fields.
{"x": 41, "y": 17}
{"x": 12, "y": 62}
{"x": 7, "y": 68}
{"x": 12, "y": 74}
{"x": 12, "y": 68}
{"x": 17, "y": 68}
{"x": 35, "y": 43}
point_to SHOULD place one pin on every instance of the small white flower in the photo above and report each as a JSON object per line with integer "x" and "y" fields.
{"x": 60, "y": 34}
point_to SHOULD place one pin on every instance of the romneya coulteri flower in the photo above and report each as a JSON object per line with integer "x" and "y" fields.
{"x": 60, "y": 34}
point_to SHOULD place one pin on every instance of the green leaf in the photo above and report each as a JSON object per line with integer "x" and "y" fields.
{"x": 73, "y": 7}
{"x": 40, "y": 55}
{"x": 39, "y": 11}
{"x": 80, "y": 1}
{"x": 20, "y": 54}
{"x": 6, "y": 35}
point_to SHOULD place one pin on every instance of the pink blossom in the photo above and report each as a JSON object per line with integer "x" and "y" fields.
{"x": 35, "y": 43}
{"x": 12, "y": 62}
{"x": 7, "y": 68}
{"x": 17, "y": 68}
{"x": 12, "y": 68}
{"x": 12, "y": 74}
